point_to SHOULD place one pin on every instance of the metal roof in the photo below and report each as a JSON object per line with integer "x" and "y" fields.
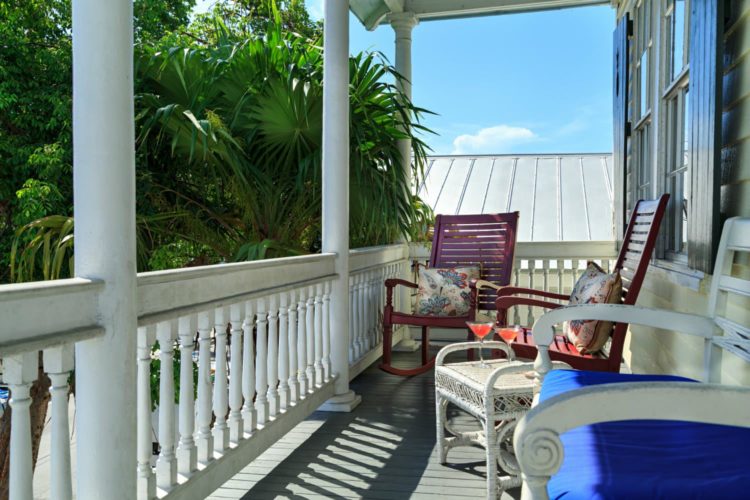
{"x": 373, "y": 12}
{"x": 565, "y": 197}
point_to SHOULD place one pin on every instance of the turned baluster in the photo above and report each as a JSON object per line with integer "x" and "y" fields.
{"x": 327, "y": 330}
{"x": 560, "y": 269}
{"x": 236, "y": 423}
{"x": 261, "y": 367}
{"x": 221, "y": 389}
{"x": 293, "y": 383}
{"x": 249, "y": 416}
{"x": 146, "y": 481}
{"x": 532, "y": 272}
{"x": 366, "y": 311}
{"x": 272, "y": 368}
{"x": 166, "y": 464}
{"x": 517, "y": 272}
{"x": 204, "y": 439}
{"x": 187, "y": 456}
{"x": 302, "y": 344}
{"x": 20, "y": 373}
{"x": 310, "y": 338}
{"x": 284, "y": 397}
{"x": 319, "y": 372}
{"x": 352, "y": 321}
{"x": 58, "y": 363}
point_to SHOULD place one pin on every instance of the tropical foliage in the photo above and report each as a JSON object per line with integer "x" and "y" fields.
{"x": 229, "y": 128}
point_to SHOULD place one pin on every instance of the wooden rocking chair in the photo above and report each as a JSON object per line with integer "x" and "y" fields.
{"x": 633, "y": 261}
{"x": 486, "y": 240}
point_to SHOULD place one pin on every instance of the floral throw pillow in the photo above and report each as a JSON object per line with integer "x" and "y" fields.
{"x": 445, "y": 291}
{"x": 595, "y": 286}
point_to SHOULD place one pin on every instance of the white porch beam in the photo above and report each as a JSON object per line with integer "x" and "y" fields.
{"x": 336, "y": 191}
{"x": 442, "y": 9}
{"x": 104, "y": 206}
{"x": 373, "y": 13}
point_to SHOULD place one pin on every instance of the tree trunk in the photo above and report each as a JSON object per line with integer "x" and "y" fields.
{"x": 40, "y": 398}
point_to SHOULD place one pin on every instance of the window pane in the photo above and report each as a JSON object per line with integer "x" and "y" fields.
{"x": 678, "y": 37}
{"x": 686, "y": 172}
{"x": 644, "y": 100}
{"x": 677, "y": 171}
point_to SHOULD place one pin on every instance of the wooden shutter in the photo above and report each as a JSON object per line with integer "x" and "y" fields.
{"x": 706, "y": 33}
{"x": 622, "y": 35}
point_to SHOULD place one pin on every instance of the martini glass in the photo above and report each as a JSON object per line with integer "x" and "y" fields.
{"x": 508, "y": 333}
{"x": 480, "y": 330}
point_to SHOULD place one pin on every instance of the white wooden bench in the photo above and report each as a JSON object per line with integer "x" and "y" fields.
{"x": 539, "y": 436}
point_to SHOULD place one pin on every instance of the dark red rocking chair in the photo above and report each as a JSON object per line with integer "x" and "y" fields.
{"x": 632, "y": 262}
{"x": 486, "y": 240}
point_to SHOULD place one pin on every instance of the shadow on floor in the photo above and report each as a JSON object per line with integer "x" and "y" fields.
{"x": 385, "y": 449}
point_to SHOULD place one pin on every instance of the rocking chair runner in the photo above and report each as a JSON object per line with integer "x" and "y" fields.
{"x": 635, "y": 254}
{"x": 486, "y": 240}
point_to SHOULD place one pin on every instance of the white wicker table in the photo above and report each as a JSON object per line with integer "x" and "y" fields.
{"x": 498, "y": 396}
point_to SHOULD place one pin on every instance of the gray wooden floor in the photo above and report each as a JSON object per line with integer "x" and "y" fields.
{"x": 385, "y": 449}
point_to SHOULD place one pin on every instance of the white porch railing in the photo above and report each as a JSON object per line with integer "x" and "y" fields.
{"x": 369, "y": 268}
{"x": 263, "y": 365}
{"x": 257, "y": 334}
{"x": 550, "y": 266}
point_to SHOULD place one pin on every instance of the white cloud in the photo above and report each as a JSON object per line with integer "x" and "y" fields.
{"x": 493, "y": 140}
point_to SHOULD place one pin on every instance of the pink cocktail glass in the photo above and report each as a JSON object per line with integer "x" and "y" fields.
{"x": 481, "y": 330}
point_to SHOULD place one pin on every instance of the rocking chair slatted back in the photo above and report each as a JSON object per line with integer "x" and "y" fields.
{"x": 633, "y": 260}
{"x": 487, "y": 240}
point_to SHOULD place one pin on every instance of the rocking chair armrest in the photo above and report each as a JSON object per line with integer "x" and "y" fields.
{"x": 503, "y": 303}
{"x": 479, "y": 284}
{"x": 515, "y": 290}
{"x": 537, "y": 434}
{"x": 465, "y": 346}
{"x": 392, "y": 282}
{"x": 692, "y": 324}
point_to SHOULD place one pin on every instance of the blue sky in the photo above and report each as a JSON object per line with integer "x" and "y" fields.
{"x": 521, "y": 83}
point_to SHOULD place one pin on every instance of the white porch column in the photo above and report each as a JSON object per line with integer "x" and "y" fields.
{"x": 403, "y": 24}
{"x": 336, "y": 190}
{"x": 104, "y": 207}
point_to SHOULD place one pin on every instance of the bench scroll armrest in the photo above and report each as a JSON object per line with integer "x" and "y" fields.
{"x": 537, "y": 437}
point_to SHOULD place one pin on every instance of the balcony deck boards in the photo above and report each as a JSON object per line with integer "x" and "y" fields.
{"x": 385, "y": 449}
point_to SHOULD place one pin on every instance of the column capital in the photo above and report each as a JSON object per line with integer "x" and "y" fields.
{"x": 403, "y": 23}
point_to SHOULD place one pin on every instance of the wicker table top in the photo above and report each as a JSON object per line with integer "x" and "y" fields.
{"x": 520, "y": 381}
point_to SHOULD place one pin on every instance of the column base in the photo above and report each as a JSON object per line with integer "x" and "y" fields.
{"x": 342, "y": 403}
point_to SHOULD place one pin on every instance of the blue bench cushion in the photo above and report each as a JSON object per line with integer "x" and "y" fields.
{"x": 647, "y": 458}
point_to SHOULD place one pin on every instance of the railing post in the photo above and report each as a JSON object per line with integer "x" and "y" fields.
{"x": 104, "y": 207}
{"x": 335, "y": 237}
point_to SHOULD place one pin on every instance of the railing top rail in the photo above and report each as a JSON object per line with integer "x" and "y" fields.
{"x": 174, "y": 275}
{"x": 175, "y": 312}
{"x": 46, "y": 313}
{"x": 166, "y": 294}
{"x": 361, "y": 259}
{"x": 543, "y": 250}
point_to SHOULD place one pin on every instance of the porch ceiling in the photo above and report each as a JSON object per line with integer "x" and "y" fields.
{"x": 372, "y": 12}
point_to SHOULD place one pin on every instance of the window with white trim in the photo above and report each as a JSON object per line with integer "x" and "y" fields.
{"x": 675, "y": 108}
